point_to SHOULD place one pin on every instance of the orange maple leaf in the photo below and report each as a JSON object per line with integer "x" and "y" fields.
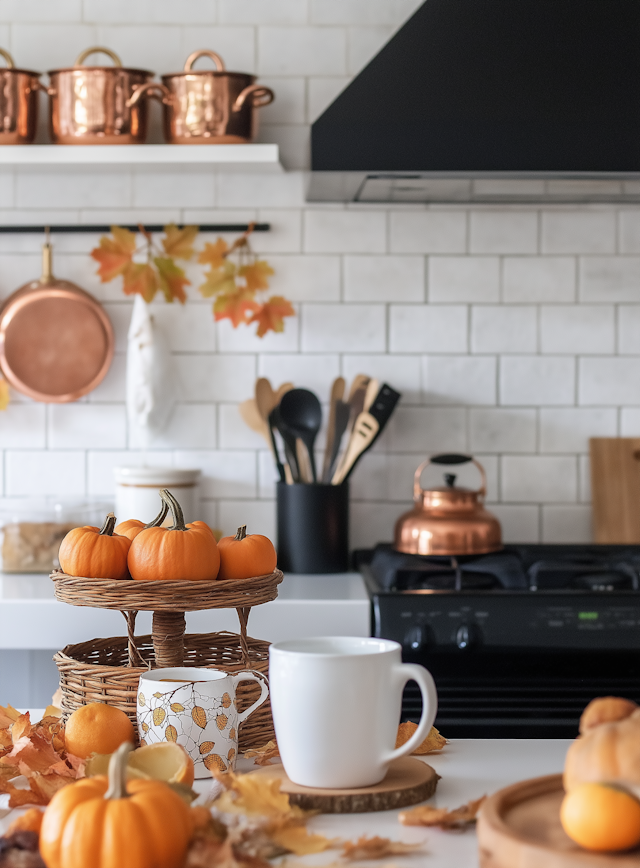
{"x": 172, "y": 279}
{"x": 214, "y": 254}
{"x": 114, "y": 254}
{"x": 270, "y": 315}
{"x": 140, "y": 279}
{"x": 256, "y": 274}
{"x": 236, "y": 306}
{"x": 179, "y": 242}
{"x": 219, "y": 280}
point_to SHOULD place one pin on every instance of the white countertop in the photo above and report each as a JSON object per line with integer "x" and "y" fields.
{"x": 469, "y": 768}
{"x": 334, "y": 604}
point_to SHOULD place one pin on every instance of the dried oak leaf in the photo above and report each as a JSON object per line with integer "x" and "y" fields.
{"x": 270, "y": 315}
{"x": 214, "y": 254}
{"x": 434, "y": 741}
{"x": 179, "y": 242}
{"x": 219, "y": 280}
{"x": 172, "y": 279}
{"x": 114, "y": 254}
{"x": 256, "y": 275}
{"x": 236, "y": 306}
{"x": 139, "y": 278}
{"x": 253, "y": 795}
{"x": 8, "y": 716}
{"x": 263, "y": 755}
{"x": 376, "y": 848}
{"x": 425, "y": 815}
{"x": 22, "y": 727}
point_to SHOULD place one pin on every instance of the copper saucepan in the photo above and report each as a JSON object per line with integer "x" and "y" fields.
{"x": 90, "y": 105}
{"x": 448, "y": 520}
{"x": 56, "y": 340}
{"x": 18, "y": 103}
{"x": 207, "y": 106}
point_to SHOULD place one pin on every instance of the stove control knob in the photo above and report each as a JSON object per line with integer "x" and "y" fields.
{"x": 416, "y": 639}
{"x": 467, "y": 635}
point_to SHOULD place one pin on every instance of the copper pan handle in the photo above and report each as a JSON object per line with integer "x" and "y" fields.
{"x": 259, "y": 94}
{"x": 448, "y": 459}
{"x": 164, "y": 94}
{"x": 8, "y": 58}
{"x": 97, "y": 49}
{"x": 203, "y": 52}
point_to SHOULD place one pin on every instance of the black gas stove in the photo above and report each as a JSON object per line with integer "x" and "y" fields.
{"x": 518, "y": 641}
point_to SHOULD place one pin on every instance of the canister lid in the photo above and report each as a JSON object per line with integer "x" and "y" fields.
{"x": 156, "y": 477}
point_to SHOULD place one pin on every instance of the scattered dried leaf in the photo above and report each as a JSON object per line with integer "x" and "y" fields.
{"x": 8, "y": 716}
{"x": 263, "y": 755}
{"x": 294, "y": 838}
{"x": 270, "y": 315}
{"x": 426, "y": 815}
{"x": 434, "y": 741}
{"x": 376, "y": 848}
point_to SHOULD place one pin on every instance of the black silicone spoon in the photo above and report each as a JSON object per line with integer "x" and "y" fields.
{"x": 301, "y": 412}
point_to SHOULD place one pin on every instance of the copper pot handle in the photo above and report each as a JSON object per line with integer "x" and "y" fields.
{"x": 260, "y": 95}
{"x": 51, "y": 91}
{"x": 164, "y": 94}
{"x": 204, "y": 52}
{"x": 448, "y": 459}
{"x": 97, "y": 48}
{"x": 8, "y": 58}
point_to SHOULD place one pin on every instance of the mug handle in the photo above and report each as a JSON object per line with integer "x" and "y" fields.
{"x": 424, "y": 679}
{"x": 264, "y": 690}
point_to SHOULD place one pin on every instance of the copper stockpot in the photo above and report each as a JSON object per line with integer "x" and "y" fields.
{"x": 90, "y": 105}
{"x": 448, "y": 520}
{"x": 18, "y": 103}
{"x": 206, "y": 106}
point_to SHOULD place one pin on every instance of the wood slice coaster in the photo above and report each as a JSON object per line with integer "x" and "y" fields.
{"x": 520, "y": 825}
{"x": 407, "y": 782}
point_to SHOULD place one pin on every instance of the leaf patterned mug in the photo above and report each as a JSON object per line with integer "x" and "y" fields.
{"x": 196, "y": 708}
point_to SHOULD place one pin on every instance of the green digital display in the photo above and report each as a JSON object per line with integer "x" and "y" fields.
{"x": 587, "y": 616}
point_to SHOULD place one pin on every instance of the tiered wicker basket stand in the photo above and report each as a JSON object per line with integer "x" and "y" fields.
{"x": 107, "y": 670}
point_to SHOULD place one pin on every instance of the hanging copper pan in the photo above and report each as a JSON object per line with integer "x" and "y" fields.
{"x": 56, "y": 340}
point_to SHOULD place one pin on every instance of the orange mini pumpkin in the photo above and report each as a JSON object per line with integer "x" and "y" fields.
{"x": 182, "y": 551}
{"x": 132, "y": 526}
{"x": 97, "y": 553}
{"x": 242, "y": 556}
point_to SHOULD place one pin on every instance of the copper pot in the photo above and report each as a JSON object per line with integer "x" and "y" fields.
{"x": 90, "y": 105}
{"x": 18, "y": 103}
{"x": 448, "y": 520}
{"x": 206, "y": 106}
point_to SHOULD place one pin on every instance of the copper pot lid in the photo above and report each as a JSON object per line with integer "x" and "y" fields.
{"x": 56, "y": 340}
{"x": 98, "y": 49}
{"x": 220, "y": 68}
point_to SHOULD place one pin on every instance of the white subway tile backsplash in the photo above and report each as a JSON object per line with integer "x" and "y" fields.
{"x": 13, "y": 11}
{"x": 147, "y": 11}
{"x": 293, "y": 140}
{"x": 101, "y": 467}
{"x": 211, "y": 377}
{"x": 87, "y": 426}
{"x": 234, "y": 432}
{"x": 504, "y": 329}
{"x": 253, "y": 190}
{"x": 470, "y": 278}
{"x": 289, "y": 106}
{"x": 48, "y": 46}
{"x": 629, "y": 230}
{"x": 188, "y": 328}
{"x": 459, "y": 379}
{"x": 315, "y": 372}
{"x": 503, "y": 232}
{"x": 285, "y": 234}
{"x": 244, "y": 339}
{"x": 609, "y": 381}
{"x": 357, "y": 12}
{"x": 258, "y": 515}
{"x": 334, "y": 328}
{"x": 568, "y": 429}
{"x": 630, "y": 422}
{"x": 306, "y": 278}
{"x": 143, "y": 45}
{"x": 539, "y": 479}
{"x": 573, "y": 329}
{"x": 384, "y": 278}
{"x": 371, "y": 523}
{"x": 235, "y": 45}
{"x": 259, "y": 12}
{"x": 112, "y": 390}
{"x": 428, "y": 328}
{"x": 363, "y": 43}
{"x": 173, "y": 190}
{"x": 18, "y": 270}
{"x": 501, "y": 430}
{"x": 23, "y": 426}
{"x": 539, "y": 279}
{"x": 629, "y": 329}
{"x": 333, "y": 231}
{"x": 224, "y": 474}
{"x": 321, "y": 92}
{"x": 36, "y": 473}
{"x": 401, "y": 372}
{"x": 190, "y": 426}
{"x": 88, "y": 190}
{"x": 520, "y": 524}
{"x": 427, "y": 429}
{"x": 302, "y": 51}
{"x": 566, "y": 524}
{"x": 610, "y": 279}
{"x": 537, "y": 380}
{"x": 584, "y": 479}
{"x": 579, "y": 231}
{"x": 427, "y": 231}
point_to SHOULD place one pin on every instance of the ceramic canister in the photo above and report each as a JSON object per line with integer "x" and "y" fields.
{"x": 137, "y": 492}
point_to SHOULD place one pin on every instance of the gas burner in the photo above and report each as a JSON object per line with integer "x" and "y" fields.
{"x": 603, "y": 581}
{"x": 441, "y": 580}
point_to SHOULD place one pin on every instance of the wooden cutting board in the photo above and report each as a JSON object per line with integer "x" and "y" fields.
{"x": 407, "y": 782}
{"x": 615, "y": 484}
{"x": 519, "y": 827}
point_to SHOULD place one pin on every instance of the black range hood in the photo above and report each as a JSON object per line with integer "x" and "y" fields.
{"x": 491, "y": 100}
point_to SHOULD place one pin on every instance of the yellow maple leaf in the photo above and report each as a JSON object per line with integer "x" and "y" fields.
{"x": 236, "y": 306}
{"x": 179, "y": 242}
{"x": 270, "y": 315}
{"x": 256, "y": 274}
{"x": 433, "y": 741}
{"x": 115, "y": 253}
{"x": 219, "y": 279}
{"x": 140, "y": 279}
{"x": 4, "y": 394}
{"x": 214, "y": 254}
{"x": 172, "y": 279}
{"x": 255, "y": 795}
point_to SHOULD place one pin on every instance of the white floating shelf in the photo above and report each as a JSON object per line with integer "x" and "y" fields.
{"x": 239, "y": 158}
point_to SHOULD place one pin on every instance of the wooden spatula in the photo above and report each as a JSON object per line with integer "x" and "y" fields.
{"x": 337, "y": 391}
{"x": 363, "y": 435}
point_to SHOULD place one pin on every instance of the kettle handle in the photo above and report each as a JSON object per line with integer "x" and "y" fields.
{"x": 447, "y": 459}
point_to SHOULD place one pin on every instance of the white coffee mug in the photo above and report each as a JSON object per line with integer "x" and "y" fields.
{"x": 336, "y": 704}
{"x": 196, "y": 708}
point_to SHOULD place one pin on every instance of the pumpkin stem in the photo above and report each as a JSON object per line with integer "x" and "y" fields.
{"x": 241, "y": 532}
{"x": 118, "y": 772}
{"x": 108, "y": 526}
{"x": 176, "y": 510}
{"x": 160, "y": 517}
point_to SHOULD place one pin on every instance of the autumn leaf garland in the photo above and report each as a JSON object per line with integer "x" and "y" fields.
{"x": 237, "y": 285}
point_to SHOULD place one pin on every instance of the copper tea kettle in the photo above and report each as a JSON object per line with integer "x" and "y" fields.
{"x": 448, "y": 520}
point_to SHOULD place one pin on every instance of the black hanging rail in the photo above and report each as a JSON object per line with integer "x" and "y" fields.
{"x": 149, "y": 227}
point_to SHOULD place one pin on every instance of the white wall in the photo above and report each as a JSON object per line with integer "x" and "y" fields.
{"x": 513, "y": 333}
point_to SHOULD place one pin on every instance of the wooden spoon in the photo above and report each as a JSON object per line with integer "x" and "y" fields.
{"x": 337, "y": 392}
{"x": 266, "y": 401}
